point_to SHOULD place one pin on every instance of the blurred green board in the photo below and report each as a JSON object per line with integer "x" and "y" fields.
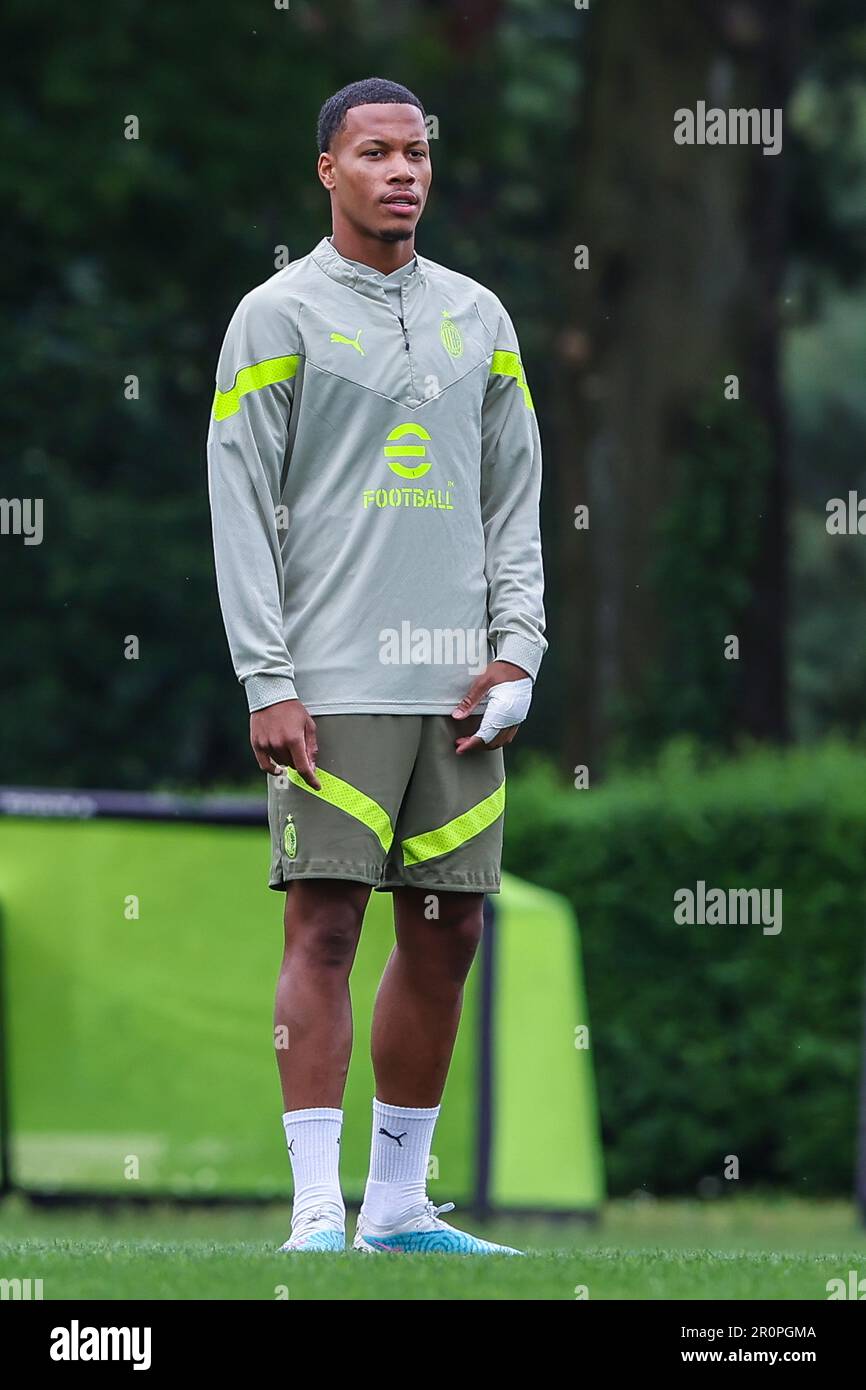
{"x": 144, "y": 1044}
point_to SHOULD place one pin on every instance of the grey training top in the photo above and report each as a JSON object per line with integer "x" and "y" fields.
{"x": 390, "y": 283}
{"x": 374, "y": 488}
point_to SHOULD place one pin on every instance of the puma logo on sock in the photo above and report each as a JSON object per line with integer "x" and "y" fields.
{"x": 396, "y": 1137}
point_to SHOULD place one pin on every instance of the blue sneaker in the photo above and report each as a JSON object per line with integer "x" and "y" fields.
{"x": 423, "y": 1234}
{"x": 315, "y": 1232}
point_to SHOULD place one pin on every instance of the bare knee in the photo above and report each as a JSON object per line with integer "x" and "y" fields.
{"x": 323, "y": 923}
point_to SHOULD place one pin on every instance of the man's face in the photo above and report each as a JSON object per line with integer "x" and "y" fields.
{"x": 380, "y": 157}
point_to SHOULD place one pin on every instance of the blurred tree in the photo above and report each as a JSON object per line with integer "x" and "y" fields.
{"x": 686, "y": 255}
{"x": 125, "y": 258}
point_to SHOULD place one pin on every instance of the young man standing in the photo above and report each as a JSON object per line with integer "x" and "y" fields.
{"x": 374, "y": 469}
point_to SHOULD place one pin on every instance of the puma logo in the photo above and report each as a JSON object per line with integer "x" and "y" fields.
{"x": 352, "y": 342}
{"x": 396, "y": 1137}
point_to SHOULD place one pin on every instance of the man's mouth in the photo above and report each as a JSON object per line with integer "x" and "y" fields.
{"x": 401, "y": 202}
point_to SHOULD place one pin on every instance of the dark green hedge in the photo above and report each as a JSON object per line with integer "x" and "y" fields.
{"x": 714, "y": 1040}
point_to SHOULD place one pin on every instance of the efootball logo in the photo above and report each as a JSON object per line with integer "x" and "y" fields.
{"x": 394, "y": 452}
{"x": 450, "y": 335}
{"x": 290, "y": 837}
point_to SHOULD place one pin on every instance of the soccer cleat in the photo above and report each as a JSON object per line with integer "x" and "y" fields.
{"x": 313, "y": 1234}
{"x": 424, "y": 1234}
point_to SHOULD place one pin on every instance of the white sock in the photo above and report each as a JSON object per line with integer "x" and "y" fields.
{"x": 313, "y": 1140}
{"x": 399, "y": 1155}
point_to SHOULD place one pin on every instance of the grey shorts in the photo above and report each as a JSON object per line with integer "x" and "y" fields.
{"x": 397, "y": 807}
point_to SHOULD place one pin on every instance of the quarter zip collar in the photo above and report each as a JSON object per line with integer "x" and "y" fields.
{"x": 328, "y": 259}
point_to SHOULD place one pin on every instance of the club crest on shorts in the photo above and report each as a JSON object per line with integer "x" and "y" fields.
{"x": 290, "y": 837}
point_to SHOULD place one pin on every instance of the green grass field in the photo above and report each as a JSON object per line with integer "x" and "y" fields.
{"x": 726, "y": 1249}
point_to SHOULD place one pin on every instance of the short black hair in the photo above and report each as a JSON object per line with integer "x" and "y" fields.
{"x": 370, "y": 91}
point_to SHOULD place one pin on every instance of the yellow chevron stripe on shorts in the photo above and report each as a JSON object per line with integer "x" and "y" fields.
{"x": 349, "y": 799}
{"x": 455, "y": 832}
{"x": 509, "y": 364}
{"x": 254, "y": 378}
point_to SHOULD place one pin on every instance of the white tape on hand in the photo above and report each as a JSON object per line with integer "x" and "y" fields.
{"x": 508, "y": 704}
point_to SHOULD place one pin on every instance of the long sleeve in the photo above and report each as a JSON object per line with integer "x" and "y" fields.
{"x": 510, "y": 493}
{"x": 246, "y": 451}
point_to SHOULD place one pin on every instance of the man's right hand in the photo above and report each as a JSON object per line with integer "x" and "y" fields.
{"x": 284, "y": 735}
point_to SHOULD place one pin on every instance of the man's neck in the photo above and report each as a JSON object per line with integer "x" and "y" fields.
{"x": 384, "y": 256}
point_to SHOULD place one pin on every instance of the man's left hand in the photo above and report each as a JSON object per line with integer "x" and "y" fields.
{"x": 497, "y": 673}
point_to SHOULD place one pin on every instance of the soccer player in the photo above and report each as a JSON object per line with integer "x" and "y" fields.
{"x": 374, "y": 468}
